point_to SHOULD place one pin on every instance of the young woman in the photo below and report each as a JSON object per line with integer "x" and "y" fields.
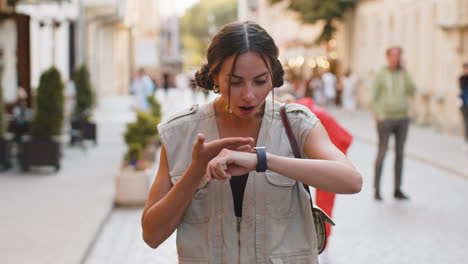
{"x": 231, "y": 202}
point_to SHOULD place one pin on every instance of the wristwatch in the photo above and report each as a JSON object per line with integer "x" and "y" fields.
{"x": 261, "y": 159}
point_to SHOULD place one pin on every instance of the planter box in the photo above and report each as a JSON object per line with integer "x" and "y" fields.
{"x": 5, "y": 153}
{"x": 131, "y": 187}
{"x": 39, "y": 153}
{"x": 83, "y": 130}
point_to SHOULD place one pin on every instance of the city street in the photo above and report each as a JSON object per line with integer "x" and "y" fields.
{"x": 85, "y": 72}
{"x": 430, "y": 228}
{"x": 52, "y": 218}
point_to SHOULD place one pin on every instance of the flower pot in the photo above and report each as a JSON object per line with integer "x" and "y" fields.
{"x": 83, "y": 130}
{"x": 39, "y": 153}
{"x": 5, "y": 153}
{"x": 131, "y": 187}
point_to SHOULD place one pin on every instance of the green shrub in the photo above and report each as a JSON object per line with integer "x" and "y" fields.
{"x": 155, "y": 107}
{"x": 141, "y": 133}
{"x": 48, "y": 118}
{"x": 84, "y": 99}
{"x": 134, "y": 152}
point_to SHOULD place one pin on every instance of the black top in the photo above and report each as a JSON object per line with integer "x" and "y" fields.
{"x": 238, "y": 187}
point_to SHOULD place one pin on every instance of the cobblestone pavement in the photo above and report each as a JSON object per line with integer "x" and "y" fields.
{"x": 430, "y": 228}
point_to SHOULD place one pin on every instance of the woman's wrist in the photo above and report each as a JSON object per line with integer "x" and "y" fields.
{"x": 262, "y": 163}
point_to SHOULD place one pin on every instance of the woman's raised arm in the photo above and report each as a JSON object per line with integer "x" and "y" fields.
{"x": 166, "y": 203}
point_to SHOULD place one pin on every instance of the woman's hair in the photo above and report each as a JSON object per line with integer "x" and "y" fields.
{"x": 238, "y": 38}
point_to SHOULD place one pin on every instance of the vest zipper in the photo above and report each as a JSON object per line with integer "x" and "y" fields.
{"x": 239, "y": 219}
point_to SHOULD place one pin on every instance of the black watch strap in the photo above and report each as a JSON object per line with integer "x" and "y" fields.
{"x": 261, "y": 159}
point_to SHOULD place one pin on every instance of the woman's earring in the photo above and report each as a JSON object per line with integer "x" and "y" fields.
{"x": 216, "y": 89}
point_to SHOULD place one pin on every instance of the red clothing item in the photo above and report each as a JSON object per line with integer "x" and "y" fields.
{"x": 340, "y": 137}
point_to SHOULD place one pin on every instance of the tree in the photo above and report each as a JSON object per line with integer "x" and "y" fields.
{"x": 48, "y": 120}
{"x": 200, "y": 23}
{"x": 84, "y": 93}
{"x": 313, "y": 11}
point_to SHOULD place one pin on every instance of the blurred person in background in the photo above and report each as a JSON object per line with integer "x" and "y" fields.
{"x": 329, "y": 87}
{"x": 166, "y": 82}
{"x": 231, "y": 202}
{"x": 316, "y": 86}
{"x": 349, "y": 82}
{"x": 22, "y": 116}
{"x": 141, "y": 87}
{"x": 464, "y": 102}
{"x": 390, "y": 94}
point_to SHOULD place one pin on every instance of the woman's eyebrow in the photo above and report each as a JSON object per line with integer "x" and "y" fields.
{"x": 236, "y": 76}
{"x": 261, "y": 74}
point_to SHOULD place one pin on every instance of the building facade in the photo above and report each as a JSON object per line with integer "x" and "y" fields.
{"x": 299, "y": 54}
{"x": 15, "y": 56}
{"x": 434, "y": 38}
{"x": 432, "y": 33}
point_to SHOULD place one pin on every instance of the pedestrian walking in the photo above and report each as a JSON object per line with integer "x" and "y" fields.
{"x": 166, "y": 83}
{"x": 141, "y": 87}
{"x": 389, "y": 102}
{"x": 329, "y": 87}
{"x": 349, "y": 82}
{"x": 464, "y": 102}
{"x": 231, "y": 202}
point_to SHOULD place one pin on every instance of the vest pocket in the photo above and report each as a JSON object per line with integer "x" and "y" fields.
{"x": 279, "y": 195}
{"x": 198, "y": 210}
{"x": 305, "y": 258}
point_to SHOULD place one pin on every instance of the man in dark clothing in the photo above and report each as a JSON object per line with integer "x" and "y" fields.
{"x": 464, "y": 101}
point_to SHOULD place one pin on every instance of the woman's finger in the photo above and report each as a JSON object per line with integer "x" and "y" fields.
{"x": 244, "y": 148}
{"x": 220, "y": 168}
{"x": 210, "y": 169}
{"x": 232, "y": 142}
{"x": 198, "y": 145}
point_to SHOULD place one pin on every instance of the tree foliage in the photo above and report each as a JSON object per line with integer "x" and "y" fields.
{"x": 140, "y": 133}
{"x": 200, "y": 23}
{"x": 84, "y": 98}
{"x": 49, "y": 114}
{"x": 313, "y": 11}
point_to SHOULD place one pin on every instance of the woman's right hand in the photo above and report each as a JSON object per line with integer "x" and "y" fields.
{"x": 203, "y": 152}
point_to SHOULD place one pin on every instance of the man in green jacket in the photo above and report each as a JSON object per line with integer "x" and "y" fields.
{"x": 389, "y": 103}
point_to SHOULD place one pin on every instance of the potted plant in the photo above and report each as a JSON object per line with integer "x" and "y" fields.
{"x": 43, "y": 148}
{"x": 154, "y": 142}
{"x": 81, "y": 126}
{"x": 132, "y": 181}
{"x": 4, "y": 143}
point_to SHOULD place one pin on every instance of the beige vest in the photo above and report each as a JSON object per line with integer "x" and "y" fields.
{"x": 276, "y": 224}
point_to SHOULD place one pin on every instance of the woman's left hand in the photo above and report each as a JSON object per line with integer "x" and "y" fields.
{"x": 230, "y": 163}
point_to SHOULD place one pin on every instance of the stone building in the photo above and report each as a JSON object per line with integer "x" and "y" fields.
{"x": 432, "y": 33}
{"x": 434, "y": 38}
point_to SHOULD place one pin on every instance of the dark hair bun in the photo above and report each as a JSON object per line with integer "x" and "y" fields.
{"x": 203, "y": 78}
{"x": 278, "y": 74}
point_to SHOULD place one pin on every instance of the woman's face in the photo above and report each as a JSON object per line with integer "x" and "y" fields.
{"x": 250, "y": 84}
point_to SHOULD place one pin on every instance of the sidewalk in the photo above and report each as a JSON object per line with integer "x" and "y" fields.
{"x": 367, "y": 231}
{"x": 50, "y": 217}
{"x": 423, "y": 143}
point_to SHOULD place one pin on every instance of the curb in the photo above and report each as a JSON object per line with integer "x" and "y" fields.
{"x": 97, "y": 234}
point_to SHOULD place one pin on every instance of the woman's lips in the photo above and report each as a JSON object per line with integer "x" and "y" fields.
{"x": 246, "y": 109}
